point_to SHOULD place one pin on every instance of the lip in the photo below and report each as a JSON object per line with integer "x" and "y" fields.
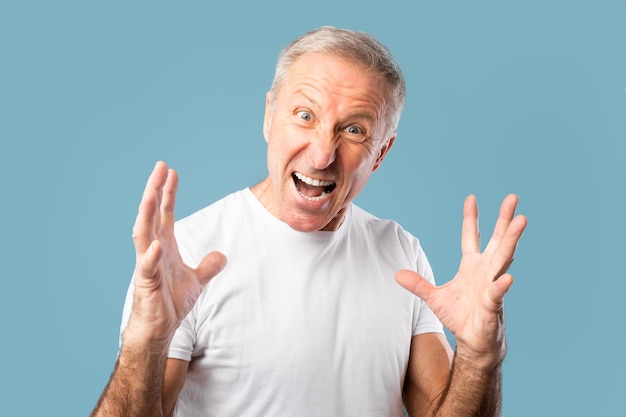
{"x": 314, "y": 181}
{"x": 299, "y": 179}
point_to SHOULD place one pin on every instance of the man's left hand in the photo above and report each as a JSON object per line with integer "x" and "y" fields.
{"x": 471, "y": 305}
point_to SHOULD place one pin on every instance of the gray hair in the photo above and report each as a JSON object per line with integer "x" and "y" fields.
{"x": 359, "y": 47}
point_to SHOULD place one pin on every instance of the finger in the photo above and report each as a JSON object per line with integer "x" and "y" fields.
{"x": 506, "y": 249}
{"x": 169, "y": 200}
{"x": 210, "y": 266}
{"x": 470, "y": 235}
{"x": 144, "y": 222}
{"x": 499, "y": 288}
{"x": 147, "y": 264}
{"x": 415, "y": 283}
{"x": 507, "y": 211}
{"x": 147, "y": 215}
{"x": 156, "y": 182}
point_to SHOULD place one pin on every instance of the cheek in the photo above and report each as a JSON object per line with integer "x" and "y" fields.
{"x": 356, "y": 174}
{"x": 285, "y": 144}
{"x": 279, "y": 153}
{"x": 358, "y": 163}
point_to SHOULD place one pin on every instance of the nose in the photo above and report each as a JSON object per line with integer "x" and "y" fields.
{"x": 322, "y": 149}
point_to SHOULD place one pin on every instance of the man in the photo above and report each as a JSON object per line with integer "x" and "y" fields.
{"x": 305, "y": 319}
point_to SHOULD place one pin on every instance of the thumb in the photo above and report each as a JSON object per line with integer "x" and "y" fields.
{"x": 415, "y": 283}
{"x": 210, "y": 266}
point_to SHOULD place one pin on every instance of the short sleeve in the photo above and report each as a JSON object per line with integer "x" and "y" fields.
{"x": 426, "y": 321}
{"x": 184, "y": 339}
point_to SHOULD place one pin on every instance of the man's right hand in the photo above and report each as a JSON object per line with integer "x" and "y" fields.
{"x": 165, "y": 287}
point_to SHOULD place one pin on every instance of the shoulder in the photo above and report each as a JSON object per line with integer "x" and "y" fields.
{"x": 209, "y": 228}
{"x": 388, "y": 240}
{"x": 386, "y": 231}
{"x": 223, "y": 206}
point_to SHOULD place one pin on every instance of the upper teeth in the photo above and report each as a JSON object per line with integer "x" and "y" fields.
{"x": 312, "y": 181}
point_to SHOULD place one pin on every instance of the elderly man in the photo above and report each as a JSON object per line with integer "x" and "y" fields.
{"x": 306, "y": 318}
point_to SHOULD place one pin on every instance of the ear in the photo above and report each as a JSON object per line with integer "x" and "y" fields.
{"x": 383, "y": 151}
{"x": 267, "y": 120}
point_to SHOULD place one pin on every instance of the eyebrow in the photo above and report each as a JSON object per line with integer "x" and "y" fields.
{"x": 360, "y": 115}
{"x": 306, "y": 96}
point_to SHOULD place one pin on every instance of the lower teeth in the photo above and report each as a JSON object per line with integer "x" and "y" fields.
{"x": 318, "y": 198}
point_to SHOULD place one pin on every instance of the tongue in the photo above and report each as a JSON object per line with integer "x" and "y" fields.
{"x": 310, "y": 190}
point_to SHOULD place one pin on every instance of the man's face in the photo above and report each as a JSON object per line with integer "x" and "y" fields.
{"x": 315, "y": 170}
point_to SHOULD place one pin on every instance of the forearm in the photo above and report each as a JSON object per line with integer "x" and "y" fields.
{"x": 471, "y": 392}
{"x": 134, "y": 388}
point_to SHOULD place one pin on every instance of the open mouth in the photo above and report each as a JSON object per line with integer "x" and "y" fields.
{"x": 312, "y": 189}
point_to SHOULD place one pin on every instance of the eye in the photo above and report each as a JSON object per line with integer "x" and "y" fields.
{"x": 305, "y": 115}
{"x": 354, "y": 133}
{"x": 354, "y": 130}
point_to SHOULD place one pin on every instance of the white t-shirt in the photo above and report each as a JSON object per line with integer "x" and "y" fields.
{"x": 297, "y": 324}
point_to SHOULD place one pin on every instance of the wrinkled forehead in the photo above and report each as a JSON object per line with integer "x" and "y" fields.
{"x": 326, "y": 65}
{"x": 321, "y": 56}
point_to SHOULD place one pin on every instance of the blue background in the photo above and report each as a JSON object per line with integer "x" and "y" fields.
{"x": 525, "y": 96}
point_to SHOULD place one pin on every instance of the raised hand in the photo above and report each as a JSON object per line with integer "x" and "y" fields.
{"x": 471, "y": 304}
{"x": 165, "y": 287}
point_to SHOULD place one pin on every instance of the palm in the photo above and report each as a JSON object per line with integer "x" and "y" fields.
{"x": 165, "y": 287}
{"x": 471, "y": 304}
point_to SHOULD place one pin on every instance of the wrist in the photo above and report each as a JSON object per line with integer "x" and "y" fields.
{"x": 138, "y": 340}
{"x": 480, "y": 363}
{"x": 143, "y": 359}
